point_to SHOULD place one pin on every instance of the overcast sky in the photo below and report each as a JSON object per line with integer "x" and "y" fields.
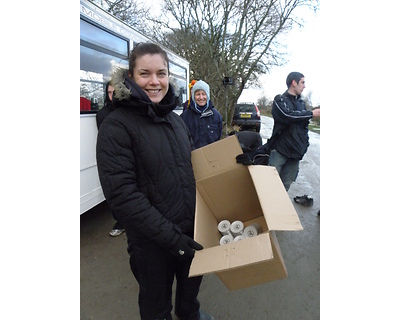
{"x": 303, "y": 56}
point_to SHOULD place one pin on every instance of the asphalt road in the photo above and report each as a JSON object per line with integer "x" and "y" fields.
{"x": 109, "y": 290}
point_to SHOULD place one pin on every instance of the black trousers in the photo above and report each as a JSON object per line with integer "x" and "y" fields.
{"x": 155, "y": 269}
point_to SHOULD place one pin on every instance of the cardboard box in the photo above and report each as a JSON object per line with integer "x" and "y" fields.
{"x": 232, "y": 191}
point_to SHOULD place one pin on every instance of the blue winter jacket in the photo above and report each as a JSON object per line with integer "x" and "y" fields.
{"x": 205, "y": 127}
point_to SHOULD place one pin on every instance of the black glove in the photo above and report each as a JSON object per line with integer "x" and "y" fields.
{"x": 245, "y": 158}
{"x": 184, "y": 248}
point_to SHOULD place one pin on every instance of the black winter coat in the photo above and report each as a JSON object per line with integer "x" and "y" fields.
{"x": 205, "y": 127}
{"x": 290, "y": 133}
{"x": 144, "y": 163}
{"x": 104, "y": 112}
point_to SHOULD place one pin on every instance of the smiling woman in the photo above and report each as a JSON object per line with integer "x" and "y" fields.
{"x": 105, "y": 44}
{"x": 144, "y": 161}
{"x": 201, "y": 117}
{"x": 151, "y": 74}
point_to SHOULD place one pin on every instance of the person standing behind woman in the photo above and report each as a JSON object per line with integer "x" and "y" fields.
{"x": 118, "y": 228}
{"x": 202, "y": 119}
{"x": 108, "y": 106}
{"x": 144, "y": 160}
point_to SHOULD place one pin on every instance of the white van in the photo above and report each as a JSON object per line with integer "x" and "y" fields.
{"x": 105, "y": 43}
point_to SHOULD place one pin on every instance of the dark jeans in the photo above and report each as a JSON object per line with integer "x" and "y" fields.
{"x": 154, "y": 269}
{"x": 287, "y": 168}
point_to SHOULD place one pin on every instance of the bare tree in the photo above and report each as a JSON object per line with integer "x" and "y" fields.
{"x": 227, "y": 38}
{"x": 264, "y": 104}
{"x": 130, "y": 11}
{"x": 308, "y": 100}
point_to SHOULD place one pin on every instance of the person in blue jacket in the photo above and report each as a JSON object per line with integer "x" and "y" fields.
{"x": 202, "y": 119}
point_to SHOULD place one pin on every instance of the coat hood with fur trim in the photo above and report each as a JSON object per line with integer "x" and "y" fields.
{"x": 126, "y": 91}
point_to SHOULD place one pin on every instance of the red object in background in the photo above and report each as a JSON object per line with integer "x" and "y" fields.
{"x": 85, "y": 104}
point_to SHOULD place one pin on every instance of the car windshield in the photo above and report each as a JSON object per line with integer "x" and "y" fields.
{"x": 248, "y": 108}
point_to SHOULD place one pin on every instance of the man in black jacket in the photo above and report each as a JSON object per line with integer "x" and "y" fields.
{"x": 289, "y": 139}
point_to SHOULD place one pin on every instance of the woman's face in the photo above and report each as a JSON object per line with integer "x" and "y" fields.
{"x": 200, "y": 97}
{"x": 151, "y": 74}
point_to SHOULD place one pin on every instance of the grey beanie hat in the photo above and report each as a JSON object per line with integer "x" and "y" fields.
{"x": 201, "y": 85}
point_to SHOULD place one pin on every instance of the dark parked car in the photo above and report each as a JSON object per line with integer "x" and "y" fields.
{"x": 247, "y": 116}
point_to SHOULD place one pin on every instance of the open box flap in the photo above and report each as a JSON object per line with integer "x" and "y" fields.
{"x": 233, "y": 255}
{"x": 277, "y": 208}
{"x": 216, "y": 157}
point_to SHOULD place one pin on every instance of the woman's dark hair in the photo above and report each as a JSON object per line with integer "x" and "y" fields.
{"x": 144, "y": 48}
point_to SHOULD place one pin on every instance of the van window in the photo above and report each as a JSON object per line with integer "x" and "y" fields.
{"x": 103, "y": 39}
{"x": 100, "y": 54}
{"x": 177, "y": 70}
